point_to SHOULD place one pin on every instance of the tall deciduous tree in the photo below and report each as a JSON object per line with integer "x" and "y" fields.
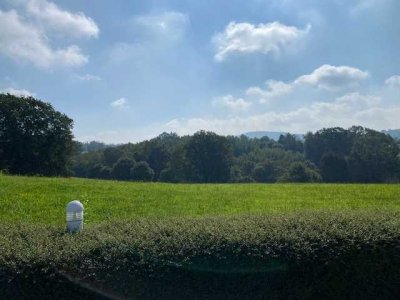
{"x": 300, "y": 172}
{"x": 209, "y": 157}
{"x": 336, "y": 140}
{"x": 291, "y": 142}
{"x": 158, "y": 158}
{"x": 265, "y": 172}
{"x": 122, "y": 169}
{"x": 374, "y": 156}
{"x": 34, "y": 138}
{"x": 141, "y": 171}
{"x": 334, "y": 168}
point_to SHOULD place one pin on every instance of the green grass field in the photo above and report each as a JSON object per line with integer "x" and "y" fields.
{"x": 43, "y": 200}
{"x": 188, "y": 241}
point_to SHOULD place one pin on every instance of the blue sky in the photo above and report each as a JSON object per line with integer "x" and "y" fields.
{"x": 129, "y": 70}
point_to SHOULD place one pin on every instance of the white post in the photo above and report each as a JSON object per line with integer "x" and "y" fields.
{"x": 74, "y": 216}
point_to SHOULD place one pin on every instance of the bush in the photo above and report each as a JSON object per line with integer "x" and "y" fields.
{"x": 122, "y": 169}
{"x": 142, "y": 172}
{"x": 168, "y": 175}
{"x": 265, "y": 172}
{"x": 317, "y": 255}
{"x": 300, "y": 172}
{"x": 334, "y": 168}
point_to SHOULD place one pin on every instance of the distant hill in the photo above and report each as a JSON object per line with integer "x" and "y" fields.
{"x": 92, "y": 146}
{"x": 394, "y": 133}
{"x": 274, "y": 135}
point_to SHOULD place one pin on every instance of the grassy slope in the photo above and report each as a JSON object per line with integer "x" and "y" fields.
{"x": 323, "y": 241}
{"x": 43, "y": 200}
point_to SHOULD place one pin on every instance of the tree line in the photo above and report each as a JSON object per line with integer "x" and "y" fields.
{"x": 37, "y": 140}
{"x": 356, "y": 154}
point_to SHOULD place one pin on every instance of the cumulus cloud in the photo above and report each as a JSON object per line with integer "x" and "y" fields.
{"x": 265, "y": 38}
{"x": 231, "y": 103}
{"x": 326, "y": 77}
{"x": 393, "y": 82}
{"x": 333, "y": 78}
{"x": 27, "y": 31}
{"x": 379, "y": 117}
{"x": 120, "y": 104}
{"x": 62, "y": 21}
{"x": 22, "y": 42}
{"x": 17, "y": 92}
{"x": 345, "y": 111}
{"x": 168, "y": 25}
{"x": 273, "y": 89}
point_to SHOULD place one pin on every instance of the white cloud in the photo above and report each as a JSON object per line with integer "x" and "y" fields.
{"x": 274, "y": 89}
{"x": 123, "y": 135}
{"x": 264, "y": 38}
{"x": 61, "y": 21}
{"x": 393, "y": 82}
{"x": 120, "y": 103}
{"x": 350, "y": 109}
{"x": 23, "y": 42}
{"x": 324, "y": 78}
{"x": 231, "y": 103}
{"x": 379, "y": 117}
{"x": 17, "y": 92}
{"x": 168, "y": 25}
{"x": 333, "y": 78}
{"x": 87, "y": 77}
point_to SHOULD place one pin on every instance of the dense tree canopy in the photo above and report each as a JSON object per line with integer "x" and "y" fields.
{"x": 34, "y": 138}
{"x": 209, "y": 157}
{"x": 291, "y": 142}
{"x": 141, "y": 171}
{"x": 373, "y": 157}
{"x": 356, "y": 154}
{"x": 334, "y": 167}
{"x": 336, "y": 140}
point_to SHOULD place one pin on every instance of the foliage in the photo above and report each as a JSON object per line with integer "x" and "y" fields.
{"x": 334, "y": 168}
{"x": 357, "y": 154}
{"x": 158, "y": 158}
{"x": 209, "y": 157}
{"x": 300, "y": 172}
{"x": 141, "y": 171}
{"x": 318, "y": 255}
{"x": 111, "y": 155}
{"x": 34, "y": 138}
{"x": 373, "y": 157}
{"x": 336, "y": 140}
{"x": 333, "y": 154}
{"x": 264, "y": 172}
{"x": 122, "y": 169}
{"x": 211, "y": 240}
{"x": 291, "y": 143}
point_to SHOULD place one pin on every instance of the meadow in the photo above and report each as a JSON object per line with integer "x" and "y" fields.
{"x": 43, "y": 200}
{"x": 188, "y": 241}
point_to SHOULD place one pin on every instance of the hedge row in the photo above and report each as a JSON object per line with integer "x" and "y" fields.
{"x": 297, "y": 256}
